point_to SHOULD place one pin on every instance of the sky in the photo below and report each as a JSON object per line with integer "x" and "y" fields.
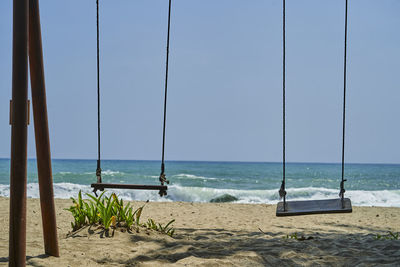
{"x": 225, "y": 82}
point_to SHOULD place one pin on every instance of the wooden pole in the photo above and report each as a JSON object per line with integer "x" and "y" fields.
{"x": 19, "y": 115}
{"x": 42, "y": 131}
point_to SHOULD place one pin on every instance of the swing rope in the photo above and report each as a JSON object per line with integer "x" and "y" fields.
{"x": 282, "y": 191}
{"x": 342, "y": 190}
{"x": 163, "y": 179}
{"x": 98, "y": 169}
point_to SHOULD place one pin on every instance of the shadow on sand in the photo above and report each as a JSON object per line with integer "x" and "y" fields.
{"x": 266, "y": 249}
{"x": 41, "y": 256}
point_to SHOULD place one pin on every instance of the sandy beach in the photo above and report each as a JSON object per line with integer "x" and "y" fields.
{"x": 211, "y": 234}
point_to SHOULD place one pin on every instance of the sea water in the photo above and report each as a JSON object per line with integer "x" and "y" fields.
{"x": 249, "y": 182}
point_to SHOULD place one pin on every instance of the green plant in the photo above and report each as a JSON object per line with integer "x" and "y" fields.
{"x": 129, "y": 216}
{"x": 125, "y": 214}
{"x": 138, "y": 213}
{"x": 291, "y": 236}
{"x": 394, "y": 236}
{"x": 105, "y": 207}
{"x": 151, "y": 224}
{"x": 110, "y": 211}
{"x": 119, "y": 210}
{"x": 78, "y": 212}
{"x": 91, "y": 213}
{"x": 169, "y": 231}
{"x": 297, "y": 237}
{"x": 389, "y": 236}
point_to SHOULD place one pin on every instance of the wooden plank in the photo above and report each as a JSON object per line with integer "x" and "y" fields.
{"x": 102, "y": 186}
{"x": 305, "y": 207}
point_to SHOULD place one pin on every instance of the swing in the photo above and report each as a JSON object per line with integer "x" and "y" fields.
{"x": 339, "y": 205}
{"x": 100, "y": 185}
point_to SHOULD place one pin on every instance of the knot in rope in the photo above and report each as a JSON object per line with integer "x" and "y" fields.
{"x": 162, "y": 178}
{"x": 342, "y": 190}
{"x": 282, "y": 191}
{"x": 98, "y": 172}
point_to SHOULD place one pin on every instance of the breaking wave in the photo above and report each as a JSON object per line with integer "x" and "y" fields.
{"x": 384, "y": 198}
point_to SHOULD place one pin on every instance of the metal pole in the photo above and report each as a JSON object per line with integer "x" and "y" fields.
{"x": 42, "y": 131}
{"x": 19, "y": 114}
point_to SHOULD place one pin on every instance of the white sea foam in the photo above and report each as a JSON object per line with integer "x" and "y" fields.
{"x": 64, "y": 173}
{"x": 194, "y": 177}
{"x": 384, "y": 198}
{"x": 106, "y": 172}
{"x": 112, "y": 173}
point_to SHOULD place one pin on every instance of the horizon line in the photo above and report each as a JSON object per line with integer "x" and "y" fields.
{"x": 223, "y": 161}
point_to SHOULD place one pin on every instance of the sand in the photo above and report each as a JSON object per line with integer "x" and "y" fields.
{"x": 211, "y": 234}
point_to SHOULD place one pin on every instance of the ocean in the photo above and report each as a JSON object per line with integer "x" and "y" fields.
{"x": 249, "y": 182}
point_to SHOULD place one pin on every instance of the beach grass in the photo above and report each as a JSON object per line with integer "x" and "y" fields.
{"x": 109, "y": 212}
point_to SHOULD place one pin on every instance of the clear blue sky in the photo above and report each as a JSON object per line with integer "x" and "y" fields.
{"x": 224, "y": 99}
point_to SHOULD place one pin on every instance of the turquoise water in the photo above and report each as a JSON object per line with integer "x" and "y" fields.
{"x": 368, "y": 184}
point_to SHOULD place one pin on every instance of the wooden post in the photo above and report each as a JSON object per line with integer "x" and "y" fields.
{"x": 42, "y": 131}
{"x": 19, "y": 111}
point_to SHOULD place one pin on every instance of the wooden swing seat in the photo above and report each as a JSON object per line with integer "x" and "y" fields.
{"x": 102, "y": 186}
{"x": 306, "y": 207}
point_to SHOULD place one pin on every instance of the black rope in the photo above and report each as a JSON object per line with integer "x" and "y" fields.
{"x": 162, "y": 175}
{"x": 98, "y": 169}
{"x": 342, "y": 190}
{"x": 282, "y": 191}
